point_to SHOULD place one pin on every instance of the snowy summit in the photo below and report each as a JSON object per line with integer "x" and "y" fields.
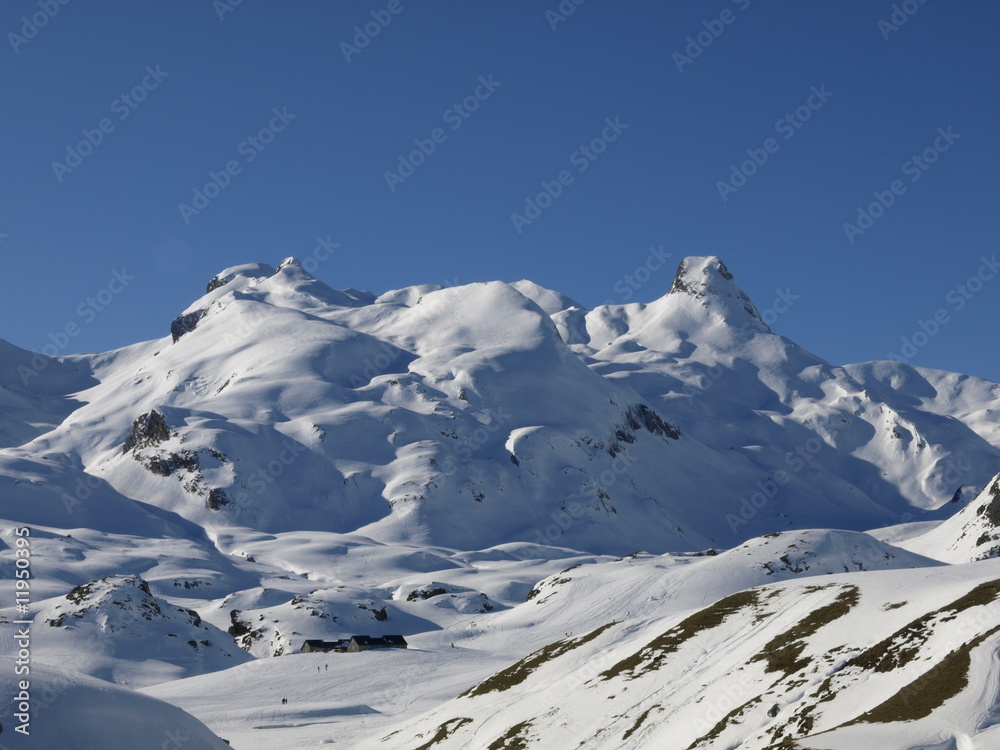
{"x": 641, "y": 525}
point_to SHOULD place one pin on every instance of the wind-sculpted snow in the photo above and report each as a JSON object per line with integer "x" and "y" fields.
{"x": 642, "y": 525}
{"x": 971, "y": 534}
{"x": 75, "y": 712}
{"x": 37, "y": 392}
{"x": 459, "y": 416}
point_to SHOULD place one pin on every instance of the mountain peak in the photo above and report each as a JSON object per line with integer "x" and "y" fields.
{"x": 701, "y": 275}
{"x": 250, "y": 271}
{"x": 707, "y": 279}
{"x": 290, "y": 262}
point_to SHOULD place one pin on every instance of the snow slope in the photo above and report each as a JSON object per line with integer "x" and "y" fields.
{"x": 905, "y": 658}
{"x": 971, "y": 534}
{"x": 74, "y": 712}
{"x": 459, "y": 417}
{"x": 492, "y": 470}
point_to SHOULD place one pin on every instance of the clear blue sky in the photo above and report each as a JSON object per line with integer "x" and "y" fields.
{"x": 65, "y": 229}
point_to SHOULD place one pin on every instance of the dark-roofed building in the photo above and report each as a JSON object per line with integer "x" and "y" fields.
{"x": 315, "y": 645}
{"x": 366, "y": 643}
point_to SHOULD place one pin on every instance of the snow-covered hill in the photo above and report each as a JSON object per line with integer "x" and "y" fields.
{"x": 75, "y": 712}
{"x": 489, "y": 470}
{"x": 899, "y": 659}
{"x": 971, "y": 534}
{"x": 116, "y": 629}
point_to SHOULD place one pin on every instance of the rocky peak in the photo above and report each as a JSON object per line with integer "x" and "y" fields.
{"x": 147, "y": 429}
{"x": 708, "y": 280}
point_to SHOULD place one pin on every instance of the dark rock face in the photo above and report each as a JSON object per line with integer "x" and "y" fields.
{"x": 185, "y": 324}
{"x": 679, "y": 285}
{"x": 697, "y": 289}
{"x": 242, "y": 632}
{"x": 992, "y": 509}
{"x": 150, "y": 430}
{"x": 147, "y": 429}
{"x": 640, "y": 415}
{"x": 637, "y": 417}
{"x": 193, "y": 616}
{"x": 703, "y": 286}
{"x": 990, "y": 513}
{"x": 238, "y": 627}
{"x": 215, "y": 283}
{"x": 425, "y": 593}
{"x": 217, "y": 498}
{"x": 167, "y": 464}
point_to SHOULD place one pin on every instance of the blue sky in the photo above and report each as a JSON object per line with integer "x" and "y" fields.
{"x": 754, "y": 131}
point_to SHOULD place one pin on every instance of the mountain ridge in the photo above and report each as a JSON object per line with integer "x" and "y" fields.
{"x": 488, "y": 469}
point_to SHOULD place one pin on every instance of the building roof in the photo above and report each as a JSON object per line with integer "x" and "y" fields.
{"x": 320, "y": 643}
{"x": 385, "y": 640}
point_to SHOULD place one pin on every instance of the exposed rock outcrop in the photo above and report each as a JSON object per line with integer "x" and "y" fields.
{"x": 185, "y": 324}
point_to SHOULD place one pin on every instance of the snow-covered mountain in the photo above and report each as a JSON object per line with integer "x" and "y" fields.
{"x": 489, "y": 467}
{"x": 971, "y": 534}
{"x": 460, "y": 417}
{"x": 898, "y": 659}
